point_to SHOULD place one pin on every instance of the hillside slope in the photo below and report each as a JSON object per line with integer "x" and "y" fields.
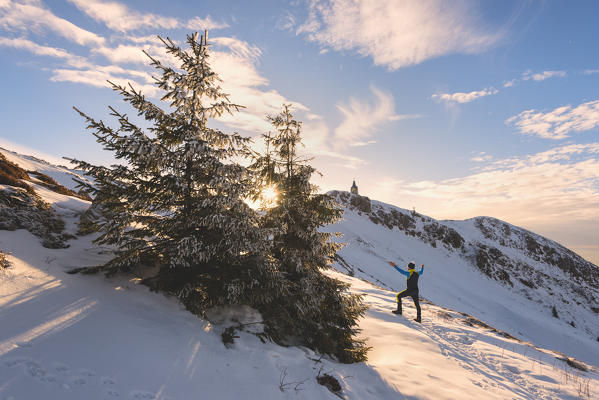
{"x": 87, "y": 337}
{"x": 504, "y": 275}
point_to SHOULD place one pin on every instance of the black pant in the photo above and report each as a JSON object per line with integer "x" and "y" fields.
{"x": 409, "y": 293}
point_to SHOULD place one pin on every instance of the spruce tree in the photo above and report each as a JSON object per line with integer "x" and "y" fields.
{"x": 176, "y": 200}
{"x": 318, "y": 309}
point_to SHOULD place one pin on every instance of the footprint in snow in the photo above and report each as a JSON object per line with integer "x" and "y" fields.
{"x": 14, "y": 361}
{"x": 78, "y": 380}
{"x": 34, "y": 369}
{"x": 112, "y": 393}
{"x": 512, "y": 369}
{"x": 86, "y": 372}
{"x": 107, "y": 381}
{"x": 140, "y": 394}
{"x": 61, "y": 368}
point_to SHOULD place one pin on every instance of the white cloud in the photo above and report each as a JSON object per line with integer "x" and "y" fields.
{"x": 591, "y": 71}
{"x": 362, "y": 119}
{"x": 99, "y": 76}
{"x": 236, "y": 61}
{"x": 558, "y": 123}
{"x": 541, "y": 76}
{"x": 31, "y": 15}
{"x": 464, "y": 97}
{"x": 558, "y": 186}
{"x": 118, "y": 17}
{"x": 125, "y": 53}
{"x": 362, "y": 144}
{"x": 25, "y": 44}
{"x": 481, "y": 157}
{"x": 121, "y": 18}
{"x": 397, "y": 34}
{"x": 286, "y": 22}
{"x": 510, "y": 83}
{"x": 200, "y": 24}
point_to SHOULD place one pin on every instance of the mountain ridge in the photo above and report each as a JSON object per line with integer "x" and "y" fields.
{"x": 484, "y": 254}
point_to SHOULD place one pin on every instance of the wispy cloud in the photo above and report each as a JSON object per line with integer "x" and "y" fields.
{"x": 590, "y": 71}
{"x": 459, "y": 97}
{"x": 535, "y": 76}
{"x": 362, "y": 119}
{"x": 129, "y": 53}
{"x": 31, "y": 15}
{"x": 118, "y": 17}
{"x": 32, "y": 47}
{"x": 541, "y": 76}
{"x": 481, "y": 157}
{"x": 561, "y": 184}
{"x": 99, "y": 76}
{"x": 121, "y": 18}
{"x": 236, "y": 62}
{"x": 558, "y": 123}
{"x": 200, "y": 24}
{"x": 397, "y": 34}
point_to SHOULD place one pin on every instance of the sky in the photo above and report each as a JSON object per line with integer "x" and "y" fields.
{"x": 456, "y": 109}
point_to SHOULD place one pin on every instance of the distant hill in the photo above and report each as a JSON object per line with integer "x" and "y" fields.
{"x": 514, "y": 279}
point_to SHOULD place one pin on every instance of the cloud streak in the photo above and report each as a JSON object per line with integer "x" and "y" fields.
{"x": 541, "y": 76}
{"x": 120, "y": 18}
{"x": 32, "y": 47}
{"x": 31, "y": 15}
{"x": 559, "y": 123}
{"x": 362, "y": 119}
{"x": 561, "y": 184}
{"x": 461, "y": 98}
{"x": 396, "y": 34}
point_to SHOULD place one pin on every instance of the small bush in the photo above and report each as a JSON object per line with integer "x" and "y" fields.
{"x": 330, "y": 382}
{"x": 4, "y": 263}
{"x": 554, "y": 312}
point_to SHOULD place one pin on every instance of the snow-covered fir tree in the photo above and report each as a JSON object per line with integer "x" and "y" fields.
{"x": 318, "y": 310}
{"x": 176, "y": 201}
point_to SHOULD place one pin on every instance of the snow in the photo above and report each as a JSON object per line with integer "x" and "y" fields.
{"x": 74, "y": 336}
{"x": 61, "y": 174}
{"x": 451, "y": 281}
{"x": 88, "y": 337}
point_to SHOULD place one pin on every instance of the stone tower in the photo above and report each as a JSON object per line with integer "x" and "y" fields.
{"x": 354, "y": 188}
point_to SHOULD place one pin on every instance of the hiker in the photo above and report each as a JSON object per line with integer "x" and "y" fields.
{"x": 412, "y": 289}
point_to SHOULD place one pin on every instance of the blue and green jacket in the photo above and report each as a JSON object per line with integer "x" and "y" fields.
{"x": 411, "y": 277}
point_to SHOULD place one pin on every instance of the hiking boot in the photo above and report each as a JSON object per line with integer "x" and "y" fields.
{"x": 398, "y": 312}
{"x": 417, "y": 319}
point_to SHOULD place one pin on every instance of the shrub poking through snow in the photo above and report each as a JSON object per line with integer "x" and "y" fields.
{"x": 330, "y": 382}
{"x": 21, "y": 209}
{"x": 4, "y": 263}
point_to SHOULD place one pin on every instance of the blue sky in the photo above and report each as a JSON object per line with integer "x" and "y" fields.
{"x": 458, "y": 108}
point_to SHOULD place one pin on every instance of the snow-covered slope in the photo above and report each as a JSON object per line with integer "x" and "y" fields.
{"x": 87, "y": 337}
{"x": 59, "y": 173}
{"x": 504, "y": 275}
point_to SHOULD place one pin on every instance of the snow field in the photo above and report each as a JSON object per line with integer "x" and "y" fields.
{"x": 87, "y": 337}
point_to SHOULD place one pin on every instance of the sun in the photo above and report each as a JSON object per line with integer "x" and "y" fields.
{"x": 269, "y": 197}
